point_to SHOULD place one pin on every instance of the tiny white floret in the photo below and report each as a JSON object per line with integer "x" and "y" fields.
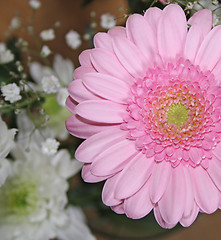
{"x": 35, "y": 4}
{"x": 47, "y": 35}
{"x": 15, "y": 23}
{"x": 50, "y": 84}
{"x": 45, "y": 51}
{"x": 50, "y": 146}
{"x": 73, "y": 39}
{"x": 107, "y": 21}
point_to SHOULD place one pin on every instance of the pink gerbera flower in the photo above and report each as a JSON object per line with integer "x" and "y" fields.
{"x": 148, "y": 100}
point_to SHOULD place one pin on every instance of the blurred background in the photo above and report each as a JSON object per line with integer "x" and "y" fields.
{"x": 85, "y": 18}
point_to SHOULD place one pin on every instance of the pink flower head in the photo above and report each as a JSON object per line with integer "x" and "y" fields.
{"x": 147, "y": 99}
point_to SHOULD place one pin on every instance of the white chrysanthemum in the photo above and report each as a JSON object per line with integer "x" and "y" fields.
{"x": 45, "y": 51}
{"x": 15, "y": 23}
{"x": 50, "y": 146}
{"x": 35, "y": 4}
{"x": 33, "y": 194}
{"x": 74, "y": 229}
{"x": 61, "y": 96}
{"x": 33, "y": 198}
{"x": 6, "y": 56}
{"x": 50, "y": 84}
{"x": 47, "y": 35}
{"x": 11, "y": 92}
{"x": 73, "y": 39}
{"x": 107, "y": 21}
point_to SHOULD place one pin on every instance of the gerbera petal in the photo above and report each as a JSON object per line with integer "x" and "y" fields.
{"x": 171, "y": 34}
{"x": 209, "y": 53}
{"x": 84, "y": 58}
{"x": 194, "y": 154}
{"x": 203, "y": 20}
{"x": 102, "y": 111}
{"x": 80, "y": 71}
{"x": 107, "y": 87}
{"x": 186, "y": 221}
{"x": 79, "y": 92}
{"x": 135, "y": 174}
{"x": 106, "y": 62}
{"x": 153, "y": 15}
{"x": 113, "y": 159}
{"x": 88, "y": 176}
{"x": 130, "y": 57}
{"x": 70, "y": 104}
{"x": 108, "y": 191}
{"x": 172, "y": 203}
{"x": 160, "y": 178}
{"x": 217, "y": 151}
{"x": 217, "y": 71}
{"x": 139, "y": 205}
{"x": 142, "y": 35}
{"x": 189, "y": 196}
{"x": 83, "y": 128}
{"x": 117, "y": 31}
{"x": 160, "y": 220}
{"x": 103, "y": 40}
{"x": 119, "y": 209}
{"x": 206, "y": 193}
{"x": 95, "y": 144}
{"x": 193, "y": 41}
{"x": 214, "y": 171}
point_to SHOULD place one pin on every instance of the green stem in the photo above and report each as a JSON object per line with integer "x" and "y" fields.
{"x": 216, "y": 9}
{"x": 153, "y": 3}
{"x": 9, "y": 107}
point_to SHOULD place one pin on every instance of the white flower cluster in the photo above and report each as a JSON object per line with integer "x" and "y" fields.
{"x": 11, "y": 92}
{"x": 73, "y": 39}
{"x": 6, "y": 55}
{"x": 34, "y": 185}
{"x": 50, "y": 84}
{"x": 47, "y": 35}
{"x": 35, "y": 4}
{"x": 107, "y": 21}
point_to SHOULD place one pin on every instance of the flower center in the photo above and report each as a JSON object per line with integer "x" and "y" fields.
{"x": 177, "y": 114}
{"x": 18, "y": 197}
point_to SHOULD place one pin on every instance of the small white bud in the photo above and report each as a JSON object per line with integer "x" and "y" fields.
{"x": 50, "y": 146}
